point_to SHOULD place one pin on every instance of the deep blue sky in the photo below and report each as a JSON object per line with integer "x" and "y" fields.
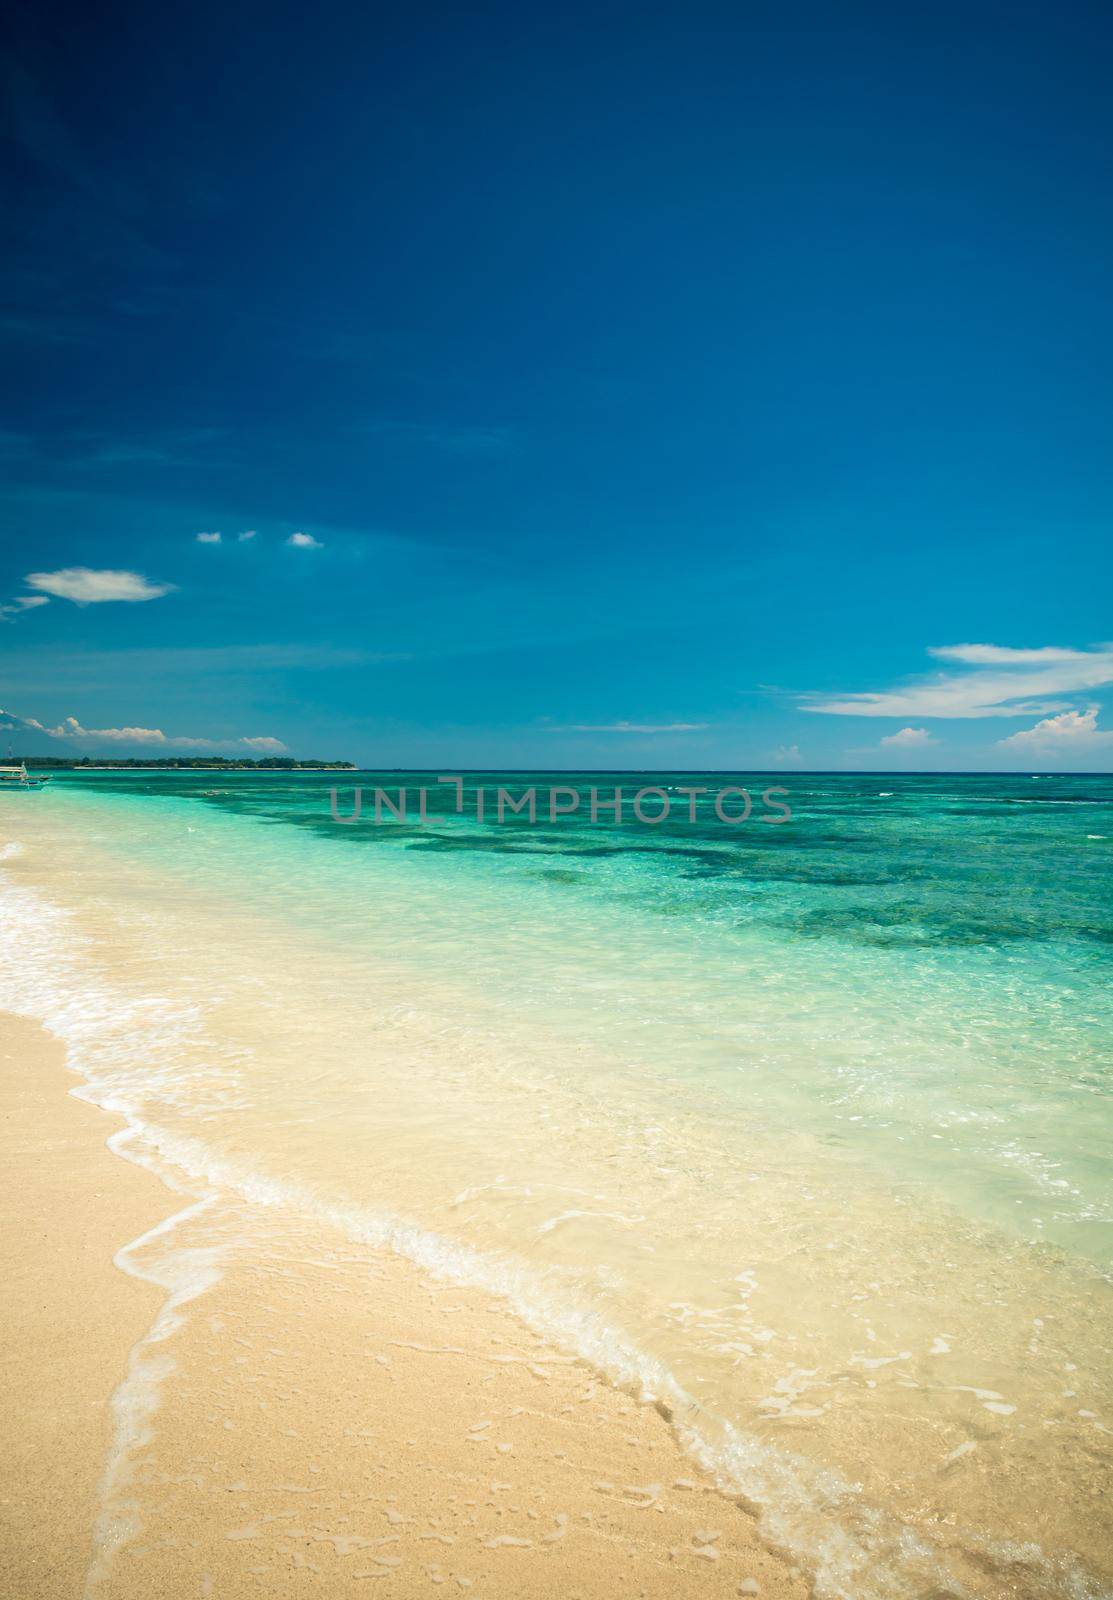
{"x": 673, "y": 366}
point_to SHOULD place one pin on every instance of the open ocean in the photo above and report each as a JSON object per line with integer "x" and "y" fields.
{"x": 802, "y": 1129}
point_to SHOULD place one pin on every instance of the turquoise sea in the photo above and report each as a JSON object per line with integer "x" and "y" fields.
{"x": 802, "y": 1127}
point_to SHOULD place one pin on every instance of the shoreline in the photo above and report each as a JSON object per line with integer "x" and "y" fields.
{"x": 439, "y": 1440}
{"x": 71, "y": 1316}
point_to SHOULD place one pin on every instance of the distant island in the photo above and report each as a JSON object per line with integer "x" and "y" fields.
{"x": 188, "y": 763}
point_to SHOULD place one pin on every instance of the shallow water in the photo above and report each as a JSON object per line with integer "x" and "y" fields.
{"x": 803, "y": 1128}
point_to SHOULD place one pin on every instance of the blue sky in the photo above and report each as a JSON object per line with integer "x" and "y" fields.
{"x": 648, "y": 384}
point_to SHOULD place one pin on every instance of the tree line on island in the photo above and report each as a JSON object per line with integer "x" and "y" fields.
{"x": 199, "y": 763}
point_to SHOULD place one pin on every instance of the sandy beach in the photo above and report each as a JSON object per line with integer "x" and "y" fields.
{"x": 442, "y": 1225}
{"x": 70, "y": 1316}
{"x": 325, "y": 1417}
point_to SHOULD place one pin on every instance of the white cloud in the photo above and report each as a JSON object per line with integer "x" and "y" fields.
{"x": 23, "y": 602}
{"x": 631, "y": 727}
{"x": 208, "y": 538}
{"x": 304, "y": 541}
{"x": 264, "y": 744}
{"x": 909, "y": 738}
{"x": 89, "y": 586}
{"x": 1018, "y": 690}
{"x": 999, "y": 655}
{"x": 70, "y": 728}
{"x": 1071, "y": 730}
{"x": 788, "y": 755}
{"x": 249, "y": 533}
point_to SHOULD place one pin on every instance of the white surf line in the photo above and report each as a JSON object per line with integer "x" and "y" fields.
{"x": 36, "y": 949}
{"x": 185, "y": 1274}
{"x": 808, "y": 1513}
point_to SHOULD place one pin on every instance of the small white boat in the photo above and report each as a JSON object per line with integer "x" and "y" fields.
{"x": 19, "y": 778}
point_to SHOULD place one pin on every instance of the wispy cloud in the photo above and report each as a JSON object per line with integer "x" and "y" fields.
{"x": 209, "y": 538}
{"x": 999, "y": 655}
{"x": 909, "y": 738}
{"x": 23, "y": 602}
{"x": 70, "y": 728}
{"x": 89, "y": 586}
{"x": 999, "y": 682}
{"x": 1068, "y": 732}
{"x": 248, "y": 533}
{"x": 788, "y": 755}
{"x": 304, "y": 541}
{"x": 263, "y": 744}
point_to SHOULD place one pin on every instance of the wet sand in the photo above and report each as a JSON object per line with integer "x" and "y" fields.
{"x": 321, "y": 1418}
{"x": 70, "y": 1317}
